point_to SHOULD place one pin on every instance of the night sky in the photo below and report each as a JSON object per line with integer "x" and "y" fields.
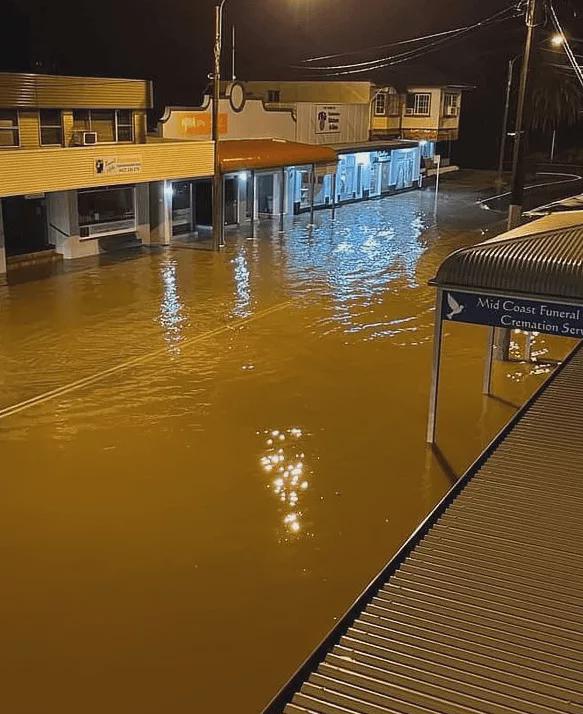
{"x": 170, "y": 42}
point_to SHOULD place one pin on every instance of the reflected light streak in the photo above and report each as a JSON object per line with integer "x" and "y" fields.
{"x": 284, "y": 463}
{"x": 171, "y": 307}
{"x": 242, "y": 287}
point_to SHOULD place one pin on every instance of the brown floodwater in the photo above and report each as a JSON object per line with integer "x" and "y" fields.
{"x": 234, "y": 449}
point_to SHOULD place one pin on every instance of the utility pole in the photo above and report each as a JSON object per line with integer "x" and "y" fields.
{"x": 499, "y": 180}
{"x": 517, "y": 191}
{"x": 218, "y": 217}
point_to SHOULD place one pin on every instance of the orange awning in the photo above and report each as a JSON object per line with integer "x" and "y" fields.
{"x": 243, "y": 154}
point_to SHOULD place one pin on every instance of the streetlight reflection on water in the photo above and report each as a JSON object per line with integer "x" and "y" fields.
{"x": 284, "y": 463}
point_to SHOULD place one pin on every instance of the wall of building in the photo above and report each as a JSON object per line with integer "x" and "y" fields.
{"x": 353, "y": 124}
{"x": 325, "y": 92}
{"x": 425, "y": 122}
{"x": 253, "y": 122}
{"x": 25, "y": 171}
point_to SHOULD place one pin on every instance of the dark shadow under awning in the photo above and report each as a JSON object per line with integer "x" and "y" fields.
{"x": 543, "y": 259}
{"x": 244, "y": 154}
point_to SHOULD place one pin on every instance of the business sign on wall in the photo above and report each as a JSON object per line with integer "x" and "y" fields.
{"x": 515, "y": 313}
{"x": 117, "y": 165}
{"x": 328, "y": 119}
{"x": 200, "y": 124}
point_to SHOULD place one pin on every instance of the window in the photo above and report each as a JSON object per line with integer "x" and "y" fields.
{"x": 111, "y": 125}
{"x": 51, "y": 127}
{"x": 8, "y": 129}
{"x": 451, "y": 104}
{"x": 393, "y": 105}
{"x": 105, "y": 205}
{"x": 273, "y": 96}
{"x": 380, "y": 104}
{"x": 419, "y": 104}
{"x": 124, "y": 125}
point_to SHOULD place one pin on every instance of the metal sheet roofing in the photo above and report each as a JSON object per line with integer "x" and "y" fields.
{"x": 542, "y": 259}
{"x": 482, "y": 611}
{"x": 243, "y": 154}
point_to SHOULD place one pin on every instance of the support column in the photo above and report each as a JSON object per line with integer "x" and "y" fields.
{"x": 142, "y": 209}
{"x": 434, "y": 393}
{"x": 161, "y": 212}
{"x": 334, "y": 179}
{"x": 312, "y": 193}
{"x": 502, "y": 344}
{"x": 2, "y": 243}
{"x": 252, "y": 204}
{"x": 281, "y": 199}
{"x": 487, "y": 383}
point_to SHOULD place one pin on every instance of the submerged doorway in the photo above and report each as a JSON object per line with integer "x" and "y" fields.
{"x": 25, "y": 225}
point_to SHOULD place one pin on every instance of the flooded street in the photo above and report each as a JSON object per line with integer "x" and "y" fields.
{"x": 234, "y": 448}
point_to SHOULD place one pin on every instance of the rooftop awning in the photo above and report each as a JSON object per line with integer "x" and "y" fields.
{"x": 365, "y": 146}
{"x": 243, "y": 154}
{"x": 543, "y": 259}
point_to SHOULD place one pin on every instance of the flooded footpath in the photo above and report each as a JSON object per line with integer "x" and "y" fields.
{"x": 205, "y": 458}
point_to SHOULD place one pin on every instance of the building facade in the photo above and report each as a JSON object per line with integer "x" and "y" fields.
{"x": 326, "y": 114}
{"x": 78, "y": 174}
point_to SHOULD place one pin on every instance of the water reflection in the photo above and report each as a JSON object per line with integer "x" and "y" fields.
{"x": 242, "y": 287}
{"x": 284, "y": 463}
{"x": 171, "y": 308}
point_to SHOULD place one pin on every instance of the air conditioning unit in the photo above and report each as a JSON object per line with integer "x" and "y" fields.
{"x": 451, "y": 112}
{"x": 409, "y": 111}
{"x": 84, "y": 138}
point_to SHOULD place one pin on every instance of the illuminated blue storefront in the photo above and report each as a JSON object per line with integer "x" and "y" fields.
{"x": 365, "y": 170}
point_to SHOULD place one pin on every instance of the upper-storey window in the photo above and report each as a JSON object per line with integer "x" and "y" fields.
{"x": 51, "y": 127}
{"x": 273, "y": 96}
{"x": 451, "y": 104}
{"x": 8, "y": 128}
{"x": 393, "y": 105}
{"x": 110, "y": 125}
{"x": 380, "y": 104}
{"x": 419, "y": 104}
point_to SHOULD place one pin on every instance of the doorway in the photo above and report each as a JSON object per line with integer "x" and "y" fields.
{"x": 182, "y": 208}
{"x": 203, "y": 201}
{"x": 265, "y": 191}
{"x": 231, "y": 201}
{"x": 25, "y": 225}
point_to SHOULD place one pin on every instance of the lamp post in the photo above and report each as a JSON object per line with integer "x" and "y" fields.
{"x": 218, "y": 217}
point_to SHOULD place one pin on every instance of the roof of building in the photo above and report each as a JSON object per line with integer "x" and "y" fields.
{"x": 543, "y": 259}
{"x": 243, "y": 154}
{"x": 21, "y": 90}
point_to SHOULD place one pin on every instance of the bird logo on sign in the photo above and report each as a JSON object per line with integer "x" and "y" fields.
{"x": 455, "y": 307}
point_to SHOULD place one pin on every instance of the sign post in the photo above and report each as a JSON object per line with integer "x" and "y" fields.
{"x": 437, "y": 339}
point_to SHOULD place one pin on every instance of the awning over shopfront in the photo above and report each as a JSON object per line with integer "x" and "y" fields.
{"x": 248, "y": 154}
{"x": 365, "y": 146}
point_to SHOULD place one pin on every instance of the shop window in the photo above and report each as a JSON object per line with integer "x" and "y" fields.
{"x": 451, "y": 105}
{"x": 105, "y": 205}
{"x": 51, "y": 127}
{"x": 9, "y": 136}
{"x": 380, "y": 104}
{"x": 273, "y": 96}
{"x": 419, "y": 104}
{"x": 110, "y": 125}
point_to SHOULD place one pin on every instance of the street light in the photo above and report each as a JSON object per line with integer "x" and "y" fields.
{"x": 218, "y": 222}
{"x": 557, "y": 40}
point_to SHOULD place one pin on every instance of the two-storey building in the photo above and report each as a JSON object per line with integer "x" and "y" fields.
{"x": 78, "y": 173}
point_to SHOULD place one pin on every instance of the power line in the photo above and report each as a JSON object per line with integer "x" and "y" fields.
{"x": 566, "y": 45}
{"x": 381, "y": 62}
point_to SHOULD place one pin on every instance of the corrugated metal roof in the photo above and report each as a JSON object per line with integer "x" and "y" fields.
{"x": 484, "y": 612}
{"x": 242, "y": 154}
{"x": 543, "y": 259}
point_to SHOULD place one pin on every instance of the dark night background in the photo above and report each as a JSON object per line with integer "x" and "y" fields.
{"x": 171, "y": 43}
